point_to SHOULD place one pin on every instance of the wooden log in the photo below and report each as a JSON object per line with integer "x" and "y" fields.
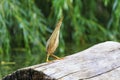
{"x": 100, "y": 62}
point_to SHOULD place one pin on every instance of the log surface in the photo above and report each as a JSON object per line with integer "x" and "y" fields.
{"x": 100, "y": 62}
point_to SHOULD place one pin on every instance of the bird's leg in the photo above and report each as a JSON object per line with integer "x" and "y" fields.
{"x": 47, "y": 59}
{"x": 55, "y": 56}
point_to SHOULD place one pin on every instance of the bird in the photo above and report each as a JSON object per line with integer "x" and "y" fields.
{"x": 53, "y": 41}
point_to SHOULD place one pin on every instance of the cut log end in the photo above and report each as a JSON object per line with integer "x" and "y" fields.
{"x": 28, "y": 74}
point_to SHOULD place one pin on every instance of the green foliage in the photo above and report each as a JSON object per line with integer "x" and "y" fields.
{"x": 25, "y": 26}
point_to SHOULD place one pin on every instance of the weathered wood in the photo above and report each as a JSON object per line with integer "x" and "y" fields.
{"x": 100, "y": 62}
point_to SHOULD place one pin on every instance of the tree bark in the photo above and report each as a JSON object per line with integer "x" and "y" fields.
{"x": 100, "y": 62}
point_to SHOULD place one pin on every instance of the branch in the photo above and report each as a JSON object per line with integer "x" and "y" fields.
{"x": 96, "y": 63}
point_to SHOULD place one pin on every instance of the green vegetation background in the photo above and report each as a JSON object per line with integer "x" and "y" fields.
{"x": 25, "y": 26}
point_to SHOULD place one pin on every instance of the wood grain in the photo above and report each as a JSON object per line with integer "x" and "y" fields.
{"x": 100, "y": 62}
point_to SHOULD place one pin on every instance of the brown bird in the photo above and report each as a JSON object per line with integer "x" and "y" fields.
{"x": 53, "y": 41}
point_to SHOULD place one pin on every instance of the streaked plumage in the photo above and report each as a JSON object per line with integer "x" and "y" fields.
{"x": 53, "y": 41}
